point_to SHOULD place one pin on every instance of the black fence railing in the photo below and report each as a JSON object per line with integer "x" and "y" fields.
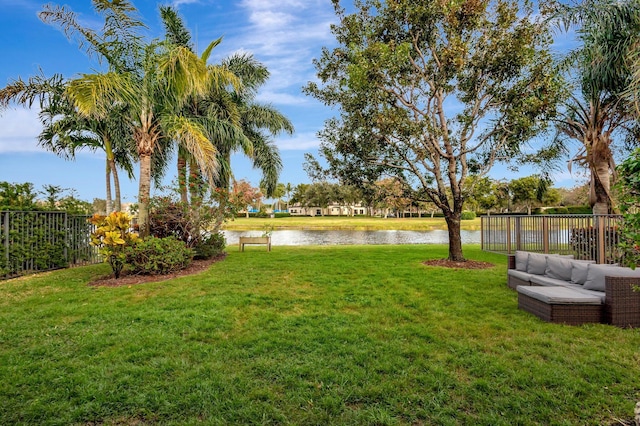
{"x": 593, "y": 237}
{"x": 34, "y": 241}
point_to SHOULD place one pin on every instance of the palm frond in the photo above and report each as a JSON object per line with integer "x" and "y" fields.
{"x": 266, "y": 158}
{"x": 191, "y": 135}
{"x": 175, "y": 30}
{"x": 39, "y": 88}
{"x": 251, "y": 72}
{"x": 183, "y": 74}
{"x": 207, "y": 52}
{"x": 96, "y": 94}
{"x": 262, "y": 116}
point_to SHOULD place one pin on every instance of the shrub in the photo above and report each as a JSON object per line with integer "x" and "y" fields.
{"x": 113, "y": 235}
{"x": 210, "y": 246}
{"x": 585, "y": 243}
{"x": 197, "y": 225}
{"x": 579, "y": 210}
{"x": 282, "y": 215}
{"x": 468, "y": 215}
{"x": 35, "y": 241}
{"x": 629, "y": 187}
{"x": 153, "y": 256}
{"x": 557, "y": 210}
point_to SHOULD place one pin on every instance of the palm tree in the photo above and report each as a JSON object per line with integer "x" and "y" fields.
{"x": 65, "y": 131}
{"x": 154, "y": 95}
{"x": 594, "y": 122}
{"x": 288, "y": 189}
{"x": 609, "y": 32}
{"x": 222, "y": 111}
{"x": 150, "y": 81}
{"x": 220, "y": 120}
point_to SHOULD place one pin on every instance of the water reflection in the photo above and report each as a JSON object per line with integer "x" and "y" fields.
{"x": 311, "y": 238}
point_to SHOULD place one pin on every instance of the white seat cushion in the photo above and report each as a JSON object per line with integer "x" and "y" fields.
{"x": 545, "y": 281}
{"x": 524, "y": 276}
{"x": 559, "y": 295}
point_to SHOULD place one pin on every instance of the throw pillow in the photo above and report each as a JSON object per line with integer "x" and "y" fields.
{"x": 536, "y": 263}
{"x": 558, "y": 268}
{"x": 521, "y": 260}
{"x": 596, "y": 274}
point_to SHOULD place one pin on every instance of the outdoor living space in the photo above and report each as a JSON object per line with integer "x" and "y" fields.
{"x": 575, "y": 277}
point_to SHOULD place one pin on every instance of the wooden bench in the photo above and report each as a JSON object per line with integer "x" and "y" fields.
{"x": 254, "y": 240}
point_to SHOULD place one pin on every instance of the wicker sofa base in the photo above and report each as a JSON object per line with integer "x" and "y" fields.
{"x": 514, "y": 282}
{"x": 574, "y": 314}
{"x": 623, "y": 302}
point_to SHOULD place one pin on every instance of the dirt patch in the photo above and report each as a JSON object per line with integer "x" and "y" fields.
{"x": 125, "y": 279}
{"x": 467, "y": 264}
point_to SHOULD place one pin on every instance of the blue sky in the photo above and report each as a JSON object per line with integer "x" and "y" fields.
{"x": 283, "y": 34}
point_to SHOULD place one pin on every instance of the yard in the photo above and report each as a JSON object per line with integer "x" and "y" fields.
{"x": 305, "y": 335}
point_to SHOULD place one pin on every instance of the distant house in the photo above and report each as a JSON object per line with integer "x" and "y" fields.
{"x": 333, "y": 209}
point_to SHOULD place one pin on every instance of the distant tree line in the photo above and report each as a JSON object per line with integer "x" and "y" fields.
{"x": 483, "y": 195}
{"x": 24, "y": 197}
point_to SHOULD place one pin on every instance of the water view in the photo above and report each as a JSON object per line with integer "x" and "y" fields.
{"x": 345, "y": 237}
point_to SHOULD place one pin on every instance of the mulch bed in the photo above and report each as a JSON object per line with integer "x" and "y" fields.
{"x": 467, "y": 264}
{"x": 125, "y": 279}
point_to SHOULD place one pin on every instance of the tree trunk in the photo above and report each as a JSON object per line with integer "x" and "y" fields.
{"x": 144, "y": 194}
{"x": 109, "y": 201}
{"x": 182, "y": 178}
{"x": 196, "y": 184}
{"x": 455, "y": 239}
{"x": 117, "y": 205}
{"x": 600, "y": 195}
{"x": 224, "y": 177}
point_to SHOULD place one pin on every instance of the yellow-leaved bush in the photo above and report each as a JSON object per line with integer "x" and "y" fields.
{"x": 111, "y": 236}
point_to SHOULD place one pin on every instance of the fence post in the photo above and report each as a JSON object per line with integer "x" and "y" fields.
{"x": 508, "y": 230}
{"x": 518, "y": 239}
{"x": 5, "y": 222}
{"x": 545, "y": 234}
{"x": 66, "y": 238}
{"x": 600, "y": 244}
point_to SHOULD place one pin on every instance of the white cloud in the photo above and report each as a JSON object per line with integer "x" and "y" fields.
{"x": 299, "y": 142}
{"x": 19, "y": 130}
{"x": 177, "y": 3}
{"x": 285, "y": 35}
{"x": 281, "y": 98}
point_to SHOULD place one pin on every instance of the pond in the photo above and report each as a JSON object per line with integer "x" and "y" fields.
{"x": 345, "y": 237}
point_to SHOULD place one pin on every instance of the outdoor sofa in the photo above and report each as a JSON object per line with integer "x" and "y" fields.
{"x": 565, "y": 290}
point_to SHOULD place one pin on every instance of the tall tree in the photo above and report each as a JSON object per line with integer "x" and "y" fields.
{"x": 433, "y": 91}
{"x": 288, "y": 189}
{"x": 600, "y": 112}
{"x": 154, "y": 94}
{"x": 154, "y": 80}
{"x": 529, "y": 191}
{"x": 220, "y": 120}
{"x": 234, "y": 119}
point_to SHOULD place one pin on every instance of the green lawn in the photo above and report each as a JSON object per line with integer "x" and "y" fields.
{"x": 305, "y": 336}
{"x": 358, "y": 223}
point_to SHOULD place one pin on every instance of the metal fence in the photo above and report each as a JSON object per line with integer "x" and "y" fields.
{"x": 593, "y": 237}
{"x": 42, "y": 241}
